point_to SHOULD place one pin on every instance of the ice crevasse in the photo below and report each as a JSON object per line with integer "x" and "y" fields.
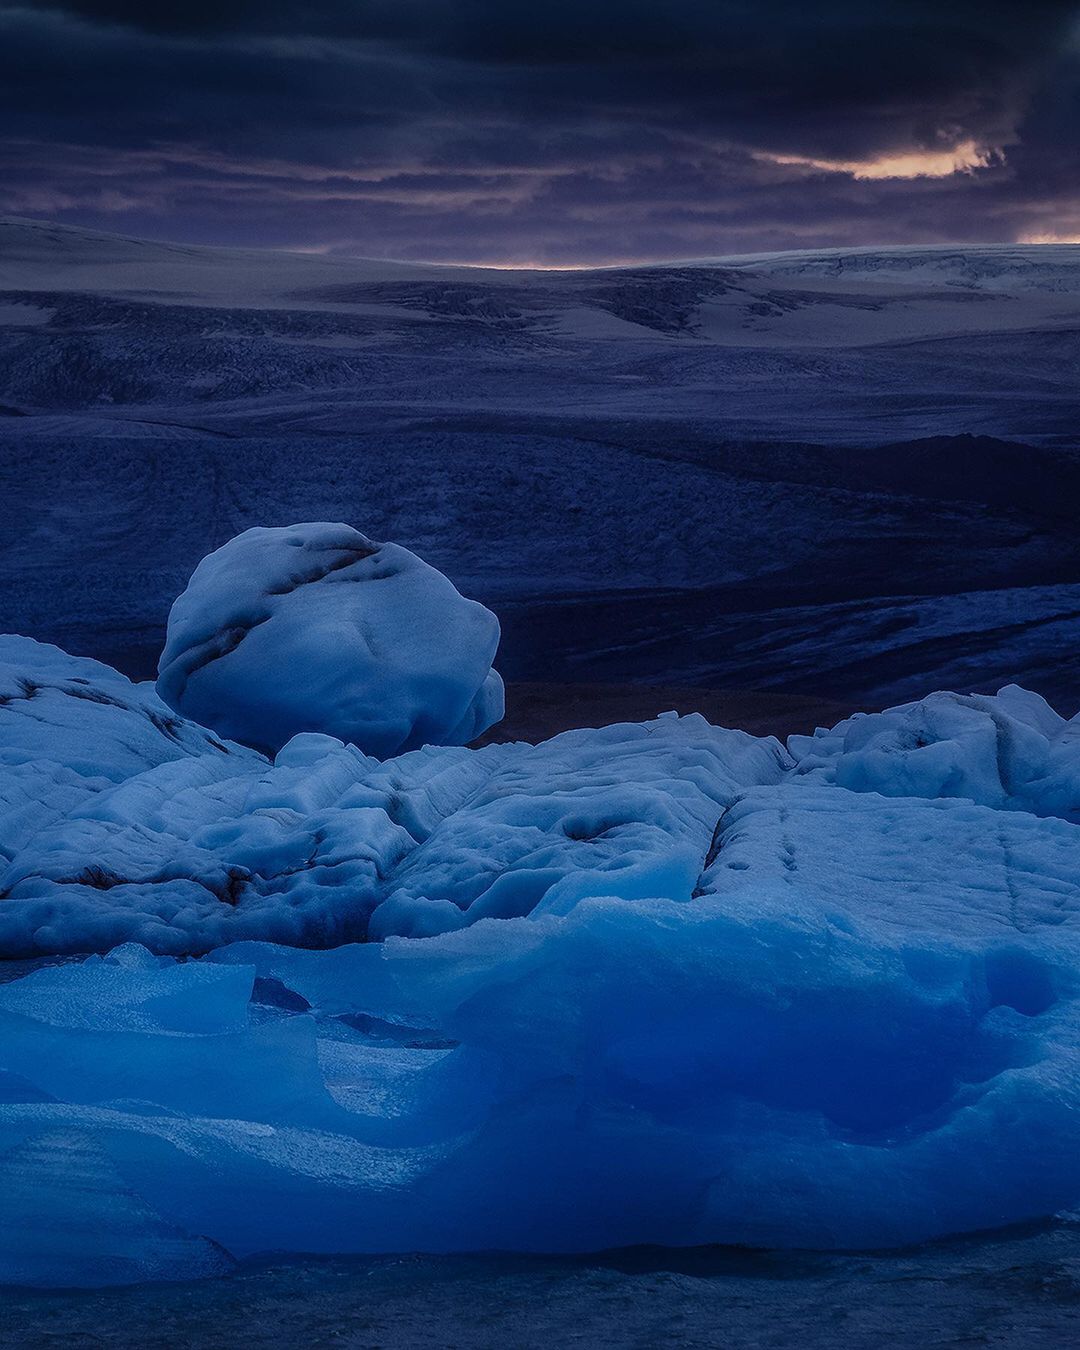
{"x": 661, "y": 983}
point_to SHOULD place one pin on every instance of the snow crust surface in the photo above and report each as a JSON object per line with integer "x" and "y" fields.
{"x": 660, "y": 983}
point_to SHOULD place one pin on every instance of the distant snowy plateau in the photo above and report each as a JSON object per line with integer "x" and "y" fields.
{"x": 853, "y": 474}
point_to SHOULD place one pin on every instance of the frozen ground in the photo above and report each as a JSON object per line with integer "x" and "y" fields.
{"x": 847, "y": 475}
{"x": 1008, "y": 1291}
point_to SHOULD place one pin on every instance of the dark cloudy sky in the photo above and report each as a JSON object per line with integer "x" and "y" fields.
{"x": 554, "y": 131}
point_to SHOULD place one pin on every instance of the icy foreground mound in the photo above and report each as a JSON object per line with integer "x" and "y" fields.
{"x": 681, "y": 987}
{"x": 316, "y": 628}
{"x": 327, "y": 845}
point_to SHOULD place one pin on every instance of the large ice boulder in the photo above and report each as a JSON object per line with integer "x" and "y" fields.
{"x": 315, "y": 628}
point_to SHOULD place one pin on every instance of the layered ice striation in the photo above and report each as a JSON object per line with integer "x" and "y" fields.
{"x": 314, "y": 627}
{"x": 659, "y": 983}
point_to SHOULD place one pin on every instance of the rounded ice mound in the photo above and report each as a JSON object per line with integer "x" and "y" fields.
{"x": 315, "y": 628}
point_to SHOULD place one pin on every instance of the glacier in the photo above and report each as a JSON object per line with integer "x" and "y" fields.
{"x": 558, "y": 443}
{"x": 657, "y": 983}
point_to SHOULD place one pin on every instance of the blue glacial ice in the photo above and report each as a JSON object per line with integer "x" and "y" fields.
{"x": 656, "y": 983}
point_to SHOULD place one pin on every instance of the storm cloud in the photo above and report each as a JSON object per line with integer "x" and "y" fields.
{"x": 574, "y": 131}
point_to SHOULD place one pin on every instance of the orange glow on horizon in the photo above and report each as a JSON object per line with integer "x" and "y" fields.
{"x": 1049, "y": 237}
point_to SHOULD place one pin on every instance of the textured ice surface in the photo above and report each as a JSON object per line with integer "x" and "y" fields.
{"x": 660, "y": 983}
{"x": 626, "y": 811}
{"x": 72, "y": 728}
{"x": 316, "y": 628}
{"x": 1011, "y": 751}
{"x": 328, "y": 845}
